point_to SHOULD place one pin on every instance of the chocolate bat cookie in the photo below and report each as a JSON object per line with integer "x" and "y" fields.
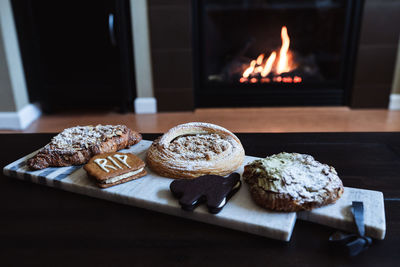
{"x": 214, "y": 190}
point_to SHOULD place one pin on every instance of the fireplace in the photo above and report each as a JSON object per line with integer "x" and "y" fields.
{"x": 274, "y": 52}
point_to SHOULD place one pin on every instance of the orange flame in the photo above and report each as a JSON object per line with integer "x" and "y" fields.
{"x": 283, "y": 64}
{"x": 250, "y": 69}
{"x": 273, "y": 64}
{"x": 260, "y": 59}
{"x": 268, "y": 65}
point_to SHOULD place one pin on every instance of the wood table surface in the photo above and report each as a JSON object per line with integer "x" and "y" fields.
{"x": 48, "y": 227}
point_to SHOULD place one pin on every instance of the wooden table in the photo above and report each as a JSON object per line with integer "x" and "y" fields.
{"x": 45, "y": 226}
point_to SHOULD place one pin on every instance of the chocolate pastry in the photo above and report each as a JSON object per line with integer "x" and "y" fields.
{"x": 215, "y": 190}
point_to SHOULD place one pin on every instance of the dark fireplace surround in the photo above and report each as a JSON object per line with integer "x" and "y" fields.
{"x": 230, "y": 36}
{"x": 189, "y": 74}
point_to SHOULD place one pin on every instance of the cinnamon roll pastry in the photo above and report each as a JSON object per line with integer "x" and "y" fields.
{"x": 194, "y": 149}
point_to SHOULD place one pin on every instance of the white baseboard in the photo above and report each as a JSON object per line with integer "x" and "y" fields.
{"x": 19, "y": 120}
{"x": 145, "y": 105}
{"x": 394, "y": 102}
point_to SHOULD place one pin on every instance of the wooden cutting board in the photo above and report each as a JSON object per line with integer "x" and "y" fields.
{"x": 240, "y": 213}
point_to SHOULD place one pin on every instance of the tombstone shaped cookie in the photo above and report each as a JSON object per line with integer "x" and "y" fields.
{"x": 215, "y": 190}
{"x": 110, "y": 169}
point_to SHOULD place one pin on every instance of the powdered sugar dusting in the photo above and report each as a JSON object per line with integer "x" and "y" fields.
{"x": 199, "y": 146}
{"x": 196, "y": 148}
{"x": 298, "y": 175}
{"x": 199, "y": 124}
{"x": 81, "y": 137}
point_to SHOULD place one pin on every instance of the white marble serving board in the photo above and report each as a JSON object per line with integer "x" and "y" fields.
{"x": 240, "y": 213}
{"x": 339, "y": 214}
{"x": 152, "y": 192}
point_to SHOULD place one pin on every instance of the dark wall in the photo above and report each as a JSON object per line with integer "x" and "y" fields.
{"x": 171, "y": 46}
{"x": 377, "y": 52}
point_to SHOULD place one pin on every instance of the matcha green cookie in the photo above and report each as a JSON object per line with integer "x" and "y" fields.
{"x": 292, "y": 182}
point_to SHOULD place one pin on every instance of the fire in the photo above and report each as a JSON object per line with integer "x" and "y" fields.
{"x": 260, "y": 59}
{"x": 268, "y": 65}
{"x": 274, "y": 65}
{"x": 283, "y": 64}
{"x": 249, "y": 70}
